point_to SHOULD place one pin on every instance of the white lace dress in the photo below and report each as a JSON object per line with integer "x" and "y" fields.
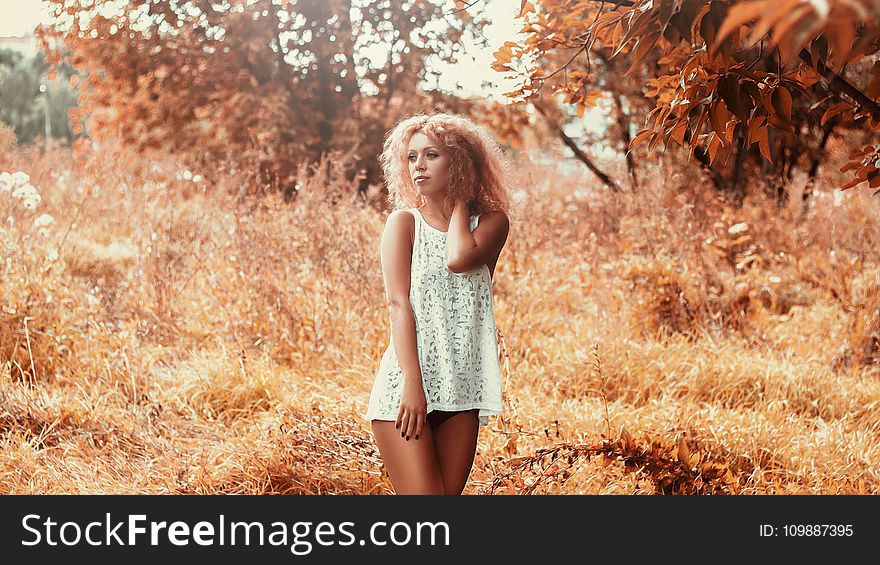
{"x": 455, "y": 334}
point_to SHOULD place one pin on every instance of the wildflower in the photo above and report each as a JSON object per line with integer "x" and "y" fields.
{"x": 19, "y": 178}
{"x": 24, "y": 191}
{"x": 197, "y": 178}
{"x": 43, "y": 220}
{"x": 28, "y": 194}
{"x": 5, "y": 182}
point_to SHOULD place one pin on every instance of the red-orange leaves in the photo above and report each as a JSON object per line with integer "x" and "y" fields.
{"x": 714, "y": 70}
{"x": 738, "y": 101}
{"x": 865, "y": 162}
{"x": 739, "y": 14}
{"x": 780, "y": 109}
{"x": 718, "y": 118}
{"x": 644, "y": 46}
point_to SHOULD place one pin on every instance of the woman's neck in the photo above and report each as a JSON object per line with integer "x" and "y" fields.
{"x": 435, "y": 207}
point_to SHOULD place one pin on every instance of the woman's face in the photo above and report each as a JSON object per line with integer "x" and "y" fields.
{"x": 428, "y": 164}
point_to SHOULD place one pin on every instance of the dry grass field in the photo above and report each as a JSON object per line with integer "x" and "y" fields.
{"x": 162, "y": 334}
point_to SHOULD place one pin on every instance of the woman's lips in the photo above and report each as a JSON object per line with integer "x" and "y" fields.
{"x": 419, "y": 179}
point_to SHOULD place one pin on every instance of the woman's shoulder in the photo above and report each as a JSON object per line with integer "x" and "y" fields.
{"x": 402, "y": 217}
{"x": 401, "y": 222}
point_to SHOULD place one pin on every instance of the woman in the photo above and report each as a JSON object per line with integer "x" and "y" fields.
{"x": 440, "y": 378}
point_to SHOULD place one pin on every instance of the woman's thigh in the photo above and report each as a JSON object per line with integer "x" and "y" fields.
{"x": 455, "y": 439}
{"x": 411, "y": 465}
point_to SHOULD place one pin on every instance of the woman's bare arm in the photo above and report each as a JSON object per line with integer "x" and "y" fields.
{"x": 396, "y": 252}
{"x": 396, "y": 263}
{"x": 466, "y": 250}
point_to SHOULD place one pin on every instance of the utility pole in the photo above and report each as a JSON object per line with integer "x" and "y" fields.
{"x": 46, "y": 112}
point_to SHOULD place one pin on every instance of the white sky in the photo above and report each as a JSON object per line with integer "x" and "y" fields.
{"x": 17, "y": 17}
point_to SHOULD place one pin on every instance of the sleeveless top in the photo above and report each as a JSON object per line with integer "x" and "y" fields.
{"x": 455, "y": 334}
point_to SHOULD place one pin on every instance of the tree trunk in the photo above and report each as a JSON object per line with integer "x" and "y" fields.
{"x": 781, "y": 161}
{"x": 814, "y": 166}
{"x": 737, "y": 185}
{"x": 717, "y": 180}
{"x": 623, "y": 124}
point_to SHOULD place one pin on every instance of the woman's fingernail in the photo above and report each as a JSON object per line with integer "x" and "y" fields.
{"x": 407, "y": 438}
{"x": 401, "y": 434}
{"x": 417, "y": 437}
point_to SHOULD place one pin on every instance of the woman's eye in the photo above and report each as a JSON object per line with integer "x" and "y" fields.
{"x": 431, "y": 154}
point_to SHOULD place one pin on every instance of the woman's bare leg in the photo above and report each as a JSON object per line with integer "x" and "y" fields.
{"x": 411, "y": 465}
{"x": 456, "y": 442}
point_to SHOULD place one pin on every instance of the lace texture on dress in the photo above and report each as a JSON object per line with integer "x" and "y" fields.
{"x": 455, "y": 334}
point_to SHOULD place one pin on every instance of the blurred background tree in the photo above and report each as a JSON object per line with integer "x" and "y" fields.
{"x": 257, "y": 87}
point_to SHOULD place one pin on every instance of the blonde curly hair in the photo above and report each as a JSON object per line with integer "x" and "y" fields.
{"x": 478, "y": 169}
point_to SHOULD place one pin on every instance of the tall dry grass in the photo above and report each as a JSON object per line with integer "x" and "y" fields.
{"x": 166, "y": 336}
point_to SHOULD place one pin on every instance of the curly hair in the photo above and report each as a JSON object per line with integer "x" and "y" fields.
{"x": 478, "y": 169}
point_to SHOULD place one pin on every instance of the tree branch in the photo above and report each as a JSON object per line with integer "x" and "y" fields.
{"x": 463, "y": 8}
{"x": 583, "y": 157}
{"x": 840, "y": 86}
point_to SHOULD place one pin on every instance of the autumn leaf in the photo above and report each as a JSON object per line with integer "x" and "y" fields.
{"x": 782, "y": 103}
{"x": 729, "y": 90}
{"x": 679, "y": 130}
{"x": 644, "y": 46}
{"x": 718, "y": 119}
{"x": 834, "y": 110}
{"x": 771, "y": 16}
{"x": 738, "y": 15}
{"x": 764, "y": 143}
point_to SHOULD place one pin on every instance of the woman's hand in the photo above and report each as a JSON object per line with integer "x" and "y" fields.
{"x": 413, "y": 411}
{"x": 465, "y": 204}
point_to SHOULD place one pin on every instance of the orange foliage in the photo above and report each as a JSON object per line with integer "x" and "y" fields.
{"x": 710, "y": 90}
{"x": 254, "y": 87}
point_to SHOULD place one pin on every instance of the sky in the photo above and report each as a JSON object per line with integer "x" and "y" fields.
{"x": 20, "y": 16}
